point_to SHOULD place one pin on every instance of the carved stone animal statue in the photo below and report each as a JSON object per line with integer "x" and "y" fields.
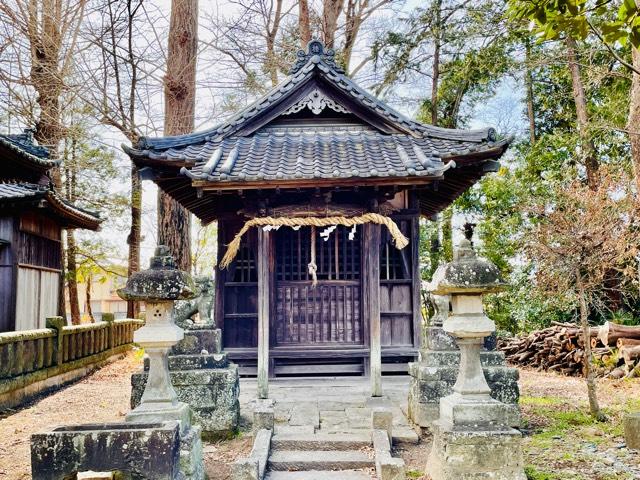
{"x": 199, "y": 309}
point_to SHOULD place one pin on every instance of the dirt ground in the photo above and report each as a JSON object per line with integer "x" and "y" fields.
{"x": 561, "y": 442}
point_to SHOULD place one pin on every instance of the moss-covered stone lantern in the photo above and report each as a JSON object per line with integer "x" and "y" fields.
{"x": 473, "y": 438}
{"x": 159, "y": 287}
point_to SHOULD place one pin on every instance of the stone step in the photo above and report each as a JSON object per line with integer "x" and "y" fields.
{"x": 320, "y": 441}
{"x": 298, "y": 460}
{"x": 320, "y": 475}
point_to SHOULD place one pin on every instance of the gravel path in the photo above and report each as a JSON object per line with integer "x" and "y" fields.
{"x": 98, "y": 398}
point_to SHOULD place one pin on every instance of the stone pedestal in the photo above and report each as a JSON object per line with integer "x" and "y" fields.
{"x": 434, "y": 374}
{"x": 203, "y": 378}
{"x": 473, "y": 439}
{"x": 631, "y": 422}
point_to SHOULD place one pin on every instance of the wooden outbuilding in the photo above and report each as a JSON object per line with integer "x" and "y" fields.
{"x": 32, "y": 217}
{"x": 317, "y": 284}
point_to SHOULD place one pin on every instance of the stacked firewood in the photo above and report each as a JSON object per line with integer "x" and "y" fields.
{"x": 560, "y": 348}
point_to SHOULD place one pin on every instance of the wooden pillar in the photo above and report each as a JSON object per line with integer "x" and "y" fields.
{"x": 265, "y": 268}
{"x": 371, "y": 297}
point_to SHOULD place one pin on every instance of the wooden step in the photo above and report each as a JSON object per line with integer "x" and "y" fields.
{"x": 299, "y": 460}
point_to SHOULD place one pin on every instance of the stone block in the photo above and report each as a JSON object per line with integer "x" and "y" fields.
{"x": 392, "y": 469}
{"x": 245, "y": 469}
{"x": 211, "y": 393}
{"x": 136, "y": 450}
{"x": 430, "y": 383}
{"x": 192, "y": 455}
{"x": 198, "y": 338}
{"x": 631, "y": 423}
{"x": 263, "y": 415}
{"x": 475, "y": 454}
{"x": 194, "y": 362}
{"x": 382, "y": 419}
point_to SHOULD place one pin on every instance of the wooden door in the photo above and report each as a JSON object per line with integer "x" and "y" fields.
{"x": 330, "y": 313}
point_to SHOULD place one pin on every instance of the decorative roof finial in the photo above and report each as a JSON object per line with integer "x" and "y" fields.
{"x": 316, "y": 53}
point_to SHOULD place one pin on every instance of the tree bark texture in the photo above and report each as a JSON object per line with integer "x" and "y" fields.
{"x": 331, "y": 10}
{"x": 304, "y": 23}
{"x": 633, "y": 124}
{"x": 589, "y": 374}
{"x": 435, "y": 73}
{"x": 588, "y": 149}
{"x": 272, "y": 33}
{"x": 528, "y": 78}
{"x": 87, "y": 299}
{"x": 72, "y": 279}
{"x": 174, "y": 221}
{"x": 134, "y": 238}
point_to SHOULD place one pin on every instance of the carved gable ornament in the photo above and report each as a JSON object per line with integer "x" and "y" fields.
{"x": 316, "y": 101}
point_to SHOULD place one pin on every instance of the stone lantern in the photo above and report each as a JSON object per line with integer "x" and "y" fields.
{"x": 473, "y": 438}
{"x": 159, "y": 287}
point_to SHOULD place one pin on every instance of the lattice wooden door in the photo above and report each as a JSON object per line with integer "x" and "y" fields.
{"x": 330, "y": 313}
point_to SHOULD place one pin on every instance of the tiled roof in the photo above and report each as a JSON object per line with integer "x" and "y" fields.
{"x": 280, "y": 153}
{"x": 317, "y": 127}
{"x": 316, "y": 66}
{"x": 23, "y": 146}
{"x": 12, "y": 192}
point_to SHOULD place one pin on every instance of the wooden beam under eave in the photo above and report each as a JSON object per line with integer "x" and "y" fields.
{"x": 314, "y": 183}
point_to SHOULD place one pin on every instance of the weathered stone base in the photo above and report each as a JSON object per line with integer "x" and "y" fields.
{"x": 631, "y": 423}
{"x": 475, "y": 454}
{"x": 212, "y": 394}
{"x": 136, "y": 451}
{"x": 130, "y": 450}
{"x": 192, "y": 455}
{"x": 433, "y": 377}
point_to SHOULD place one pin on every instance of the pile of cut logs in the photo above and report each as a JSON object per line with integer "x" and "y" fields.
{"x": 615, "y": 348}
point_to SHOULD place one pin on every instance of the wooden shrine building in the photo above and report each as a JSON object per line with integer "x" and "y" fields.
{"x": 32, "y": 216}
{"x": 317, "y": 151}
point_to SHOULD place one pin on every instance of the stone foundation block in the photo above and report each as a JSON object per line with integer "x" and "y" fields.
{"x": 212, "y": 395}
{"x": 632, "y": 430}
{"x": 192, "y": 455}
{"x": 431, "y": 383}
{"x": 245, "y": 469}
{"x": 198, "y": 338}
{"x": 263, "y": 415}
{"x": 194, "y": 362}
{"x": 133, "y": 450}
{"x": 475, "y": 454}
{"x": 382, "y": 419}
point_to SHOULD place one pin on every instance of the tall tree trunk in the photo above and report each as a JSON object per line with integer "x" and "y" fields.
{"x": 304, "y": 23}
{"x": 87, "y": 299}
{"x": 72, "y": 269}
{"x": 134, "y": 238}
{"x": 634, "y": 118}
{"x": 331, "y": 10}
{"x": 528, "y": 78}
{"x": 588, "y": 149}
{"x": 446, "y": 224}
{"x": 594, "y": 406}
{"x": 72, "y": 279}
{"x": 435, "y": 71}
{"x": 174, "y": 221}
{"x": 46, "y": 43}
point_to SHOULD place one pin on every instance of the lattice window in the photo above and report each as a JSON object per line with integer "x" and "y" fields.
{"x": 337, "y": 258}
{"x": 395, "y": 264}
{"x": 244, "y": 266}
